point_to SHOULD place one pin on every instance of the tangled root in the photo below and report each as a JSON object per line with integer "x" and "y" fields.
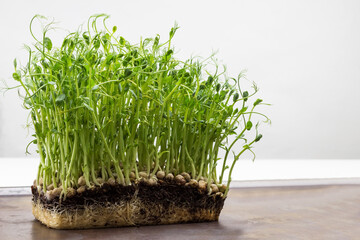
{"x": 142, "y": 208}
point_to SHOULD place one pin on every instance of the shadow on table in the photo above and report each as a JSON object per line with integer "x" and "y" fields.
{"x": 198, "y": 231}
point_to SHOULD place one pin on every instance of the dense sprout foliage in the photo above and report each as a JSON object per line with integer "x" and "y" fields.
{"x": 102, "y": 107}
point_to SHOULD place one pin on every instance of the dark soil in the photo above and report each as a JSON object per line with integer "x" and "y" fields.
{"x": 163, "y": 193}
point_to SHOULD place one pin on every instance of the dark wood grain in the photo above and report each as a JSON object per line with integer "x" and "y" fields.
{"x": 311, "y": 212}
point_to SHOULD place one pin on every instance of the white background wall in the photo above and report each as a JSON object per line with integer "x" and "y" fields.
{"x": 304, "y": 56}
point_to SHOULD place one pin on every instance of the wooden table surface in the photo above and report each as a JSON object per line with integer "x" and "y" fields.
{"x": 291, "y": 213}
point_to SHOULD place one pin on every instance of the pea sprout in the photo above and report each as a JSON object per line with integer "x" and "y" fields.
{"x": 102, "y": 107}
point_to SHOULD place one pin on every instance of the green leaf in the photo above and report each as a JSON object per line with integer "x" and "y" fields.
{"x": 106, "y": 38}
{"x": 243, "y": 110}
{"x": 44, "y": 63}
{"x": 54, "y": 130}
{"x": 16, "y": 75}
{"x": 28, "y": 102}
{"x": 249, "y": 125}
{"x": 96, "y": 43}
{"x": 88, "y": 107}
{"x": 60, "y": 98}
{"x": 209, "y": 80}
{"x": 122, "y": 41}
{"x": 114, "y": 29}
{"x": 86, "y": 38}
{"x": 258, "y": 137}
{"x": 257, "y": 102}
{"x": 156, "y": 41}
{"x": 132, "y": 92}
{"x": 47, "y": 43}
{"x": 15, "y": 63}
{"x": 37, "y": 127}
{"x": 229, "y": 110}
{"x": 235, "y": 97}
{"x": 127, "y": 72}
{"x": 169, "y": 52}
{"x": 173, "y": 30}
{"x": 109, "y": 58}
{"x": 245, "y": 95}
{"x": 120, "y": 88}
{"x": 218, "y": 86}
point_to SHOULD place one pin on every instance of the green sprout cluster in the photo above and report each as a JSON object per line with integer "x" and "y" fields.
{"x": 102, "y": 107}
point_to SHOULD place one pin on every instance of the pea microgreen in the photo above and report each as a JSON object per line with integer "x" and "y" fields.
{"x": 101, "y": 106}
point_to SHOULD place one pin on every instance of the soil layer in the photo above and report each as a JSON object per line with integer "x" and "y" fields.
{"x": 134, "y": 205}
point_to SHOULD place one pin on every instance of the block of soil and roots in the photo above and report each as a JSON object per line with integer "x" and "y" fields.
{"x": 149, "y": 201}
{"x": 127, "y": 134}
